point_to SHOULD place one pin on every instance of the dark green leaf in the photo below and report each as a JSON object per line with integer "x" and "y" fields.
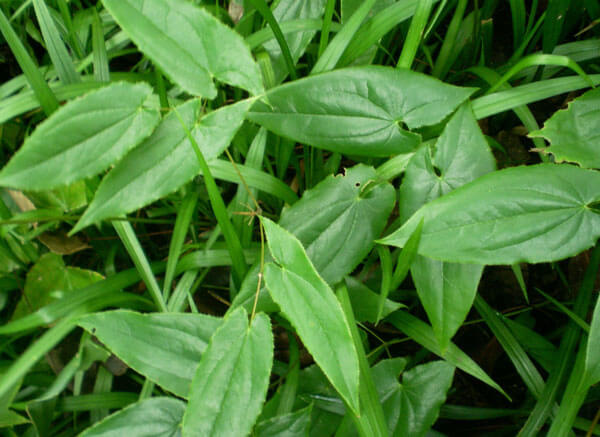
{"x": 294, "y": 424}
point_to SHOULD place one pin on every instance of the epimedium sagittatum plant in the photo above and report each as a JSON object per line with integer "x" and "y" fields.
{"x": 410, "y": 188}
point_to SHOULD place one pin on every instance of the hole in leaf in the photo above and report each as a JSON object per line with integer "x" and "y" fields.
{"x": 357, "y": 184}
{"x": 437, "y": 171}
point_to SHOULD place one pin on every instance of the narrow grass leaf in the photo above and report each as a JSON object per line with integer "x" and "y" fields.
{"x": 538, "y": 213}
{"x": 592, "y": 355}
{"x": 165, "y": 161}
{"x": 310, "y": 305}
{"x": 233, "y": 376}
{"x": 189, "y": 44}
{"x": 357, "y": 111}
{"x": 162, "y": 415}
{"x": 65, "y": 69}
{"x": 165, "y": 348}
{"x": 100, "y": 57}
{"x": 294, "y": 424}
{"x": 83, "y": 138}
{"x": 415, "y": 33}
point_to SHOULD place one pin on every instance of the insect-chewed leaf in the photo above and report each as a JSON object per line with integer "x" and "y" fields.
{"x": 189, "y": 44}
{"x": 166, "y": 348}
{"x": 533, "y": 214}
{"x": 358, "y": 110}
{"x": 84, "y": 137}
{"x": 162, "y": 416}
{"x": 573, "y": 132}
{"x": 165, "y": 161}
{"x": 232, "y": 378}
{"x": 310, "y": 305}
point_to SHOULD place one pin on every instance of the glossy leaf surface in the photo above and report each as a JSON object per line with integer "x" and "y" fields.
{"x": 233, "y": 376}
{"x": 83, "y": 137}
{"x": 166, "y": 348}
{"x": 573, "y": 132}
{"x": 459, "y": 156}
{"x": 151, "y": 417}
{"x": 532, "y": 214}
{"x": 358, "y": 111}
{"x": 165, "y": 161}
{"x": 189, "y": 44}
{"x": 310, "y": 305}
{"x": 338, "y": 220}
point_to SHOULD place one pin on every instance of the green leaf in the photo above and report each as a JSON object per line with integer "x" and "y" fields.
{"x": 50, "y": 280}
{"x": 573, "y": 132}
{"x": 165, "y": 161}
{"x": 358, "y": 111}
{"x": 189, "y": 44}
{"x": 10, "y": 418}
{"x": 365, "y": 302}
{"x": 232, "y": 378}
{"x": 165, "y": 348}
{"x": 296, "y": 424}
{"x": 155, "y": 416}
{"x": 83, "y": 138}
{"x": 592, "y": 356}
{"x": 459, "y": 156}
{"x": 532, "y": 214}
{"x": 337, "y": 222}
{"x": 310, "y": 305}
{"x": 413, "y": 406}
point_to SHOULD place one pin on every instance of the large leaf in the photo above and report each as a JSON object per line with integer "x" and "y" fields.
{"x": 151, "y": 417}
{"x": 166, "y": 348}
{"x": 50, "y": 280}
{"x": 189, "y": 44}
{"x": 574, "y": 132}
{"x": 231, "y": 381}
{"x": 297, "y": 42}
{"x": 337, "y": 222}
{"x": 310, "y": 305}
{"x": 165, "y": 161}
{"x": 533, "y": 214}
{"x": 358, "y": 111}
{"x": 83, "y": 137}
{"x": 413, "y": 406}
{"x": 460, "y": 155}
{"x": 592, "y": 355}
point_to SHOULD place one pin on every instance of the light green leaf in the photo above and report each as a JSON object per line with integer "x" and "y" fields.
{"x": 592, "y": 355}
{"x": 339, "y": 219}
{"x": 287, "y": 10}
{"x": 152, "y": 417}
{"x": 358, "y": 111}
{"x": 460, "y": 155}
{"x": 166, "y": 348}
{"x": 533, "y": 214}
{"x": 296, "y": 424}
{"x": 310, "y": 305}
{"x": 10, "y": 418}
{"x": 50, "y": 280}
{"x": 573, "y": 132}
{"x": 165, "y": 161}
{"x": 189, "y": 44}
{"x": 232, "y": 378}
{"x": 413, "y": 406}
{"x": 83, "y": 137}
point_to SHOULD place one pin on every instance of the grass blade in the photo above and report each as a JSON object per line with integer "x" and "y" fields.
{"x": 327, "y": 18}
{"x": 100, "y": 57}
{"x": 442, "y": 63}
{"x": 415, "y": 33}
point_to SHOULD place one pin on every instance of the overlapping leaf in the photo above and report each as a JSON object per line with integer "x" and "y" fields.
{"x": 310, "y": 305}
{"x": 165, "y": 161}
{"x": 189, "y": 44}
{"x": 232, "y": 378}
{"x": 358, "y": 111}
{"x": 84, "y": 137}
{"x": 533, "y": 214}
{"x": 166, "y": 348}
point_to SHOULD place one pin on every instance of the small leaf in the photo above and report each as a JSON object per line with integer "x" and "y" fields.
{"x": 166, "y": 348}
{"x": 573, "y": 132}
{"x": 310, "y": 305}
{"x": 232, "y": 378}
{"x": 358, "y": 111}
{"x": 155, "y": 416}
{"x": 165, "y": 161}
{"x": 189, "y": 44}
{"x": 337, "y": 224}
{"x": 84, "y": 137}
{"x": 531, "y": 214}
